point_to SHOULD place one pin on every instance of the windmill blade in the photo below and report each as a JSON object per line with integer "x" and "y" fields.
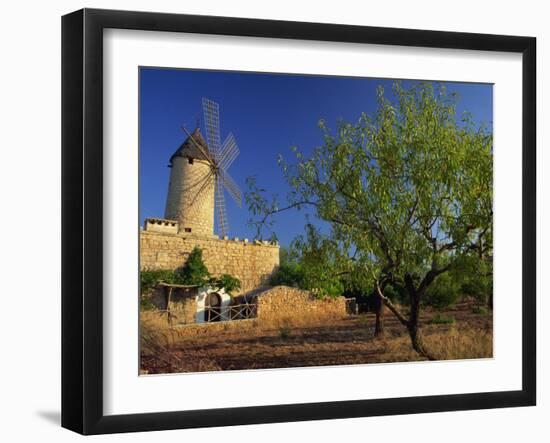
{"x": 199, "y": 183}
{"x": 229, "y": 152}
{"x": 223, "y": 225}
{"x": 206, "y": 181}
{"x": 231, "y": 187}
{"x": 229, "y": 159}
{"x": 211, "y": 111}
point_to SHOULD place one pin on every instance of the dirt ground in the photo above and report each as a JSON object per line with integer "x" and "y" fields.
{"x": 350, "y": 340}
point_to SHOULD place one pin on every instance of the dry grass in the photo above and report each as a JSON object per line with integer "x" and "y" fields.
{"x": 299, "y": 342}
{"x": 296, "y": 320}
{"x": 158, "y": 343}
{"x": 157, "y": 324}
{"x": 453, "y": 344}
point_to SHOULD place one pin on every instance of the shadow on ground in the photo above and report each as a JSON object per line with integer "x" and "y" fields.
{"x": 54, "y": 417}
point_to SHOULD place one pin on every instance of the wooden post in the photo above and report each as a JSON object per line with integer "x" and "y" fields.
{"x": 168, "y": 292}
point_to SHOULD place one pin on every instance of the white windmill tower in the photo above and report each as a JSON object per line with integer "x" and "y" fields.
{"x": 199, "y": 177}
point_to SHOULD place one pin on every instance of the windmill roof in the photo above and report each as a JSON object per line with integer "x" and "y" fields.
{"x": 189, "y": 148}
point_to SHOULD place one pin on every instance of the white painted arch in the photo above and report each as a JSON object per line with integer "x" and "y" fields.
{"x": 201, "y": 299}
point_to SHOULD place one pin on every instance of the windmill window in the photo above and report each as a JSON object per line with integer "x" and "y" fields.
{"x": 190, "y": 160}
{"x": 187, "y": 229}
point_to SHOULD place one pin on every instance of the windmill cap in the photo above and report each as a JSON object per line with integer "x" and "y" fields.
{"x": 188, "y": 148}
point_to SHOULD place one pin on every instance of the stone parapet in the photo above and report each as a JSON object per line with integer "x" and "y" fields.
{"x": 251, "y": 262}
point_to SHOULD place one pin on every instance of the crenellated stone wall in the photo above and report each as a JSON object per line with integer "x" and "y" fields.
{"x": 161, "y": 225}
{"x": 252, "y": 263}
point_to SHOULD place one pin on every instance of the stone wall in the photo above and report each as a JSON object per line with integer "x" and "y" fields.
{"x": 283, "y": 303}
{"x": 161, "y": 225}
{"x": 251, "y": 263}
{"x": 183, "y": 305}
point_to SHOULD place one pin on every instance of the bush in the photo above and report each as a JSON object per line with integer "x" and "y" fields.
{"x": 227, "y": 282}
{"x": 477, "y": 288}
{"x": 443, "y": 292}
{"x": 475, "y": 277}
{"x": 146, "y": 304}
{"x": 150, "y": 278}
{"x": 442, "y": 319}
{"x": 288, "y": 274}
{"x": 480, "y": 310}
{"x": 361, "y": 294}
{"x": 194, "y": 271}
{"x": 331, "y": 287}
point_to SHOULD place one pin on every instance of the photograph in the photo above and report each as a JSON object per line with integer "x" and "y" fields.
{"x": 290, "y": 220}
{"x": 254, "y": 222}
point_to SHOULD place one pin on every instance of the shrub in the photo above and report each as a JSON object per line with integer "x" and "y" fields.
{"x": 442, "y": 319}
{"x": 227, "y": 282}
{"x": 288, "y": 274}
{"x": 477, "y": 288}
{"x": 480, "y": 310}
{"x": 475, "y": 277}
{"x": 150, "y": 278}
{"x": 328, "y": 287}
{"x": 194, "y": 271}
{"x": 443, "y": 292}
{"x": 146, "y": 304}
{"x": 361, "y": 294}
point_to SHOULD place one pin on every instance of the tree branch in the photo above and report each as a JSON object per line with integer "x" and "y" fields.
{"x": 391, "y": 306}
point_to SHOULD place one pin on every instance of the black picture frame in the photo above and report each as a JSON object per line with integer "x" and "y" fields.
{"x": 82, "y": 218}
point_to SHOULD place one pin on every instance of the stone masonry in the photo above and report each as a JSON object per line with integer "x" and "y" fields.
{"x": 252, "y": 263}
{"x": 189, "y": 222}
{"x": 282, "y": 303}
{"x": 182, "y": 304}
{"x": 190, "y": 199}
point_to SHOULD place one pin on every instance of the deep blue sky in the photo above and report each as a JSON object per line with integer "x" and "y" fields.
{"x": 267, "y": 113}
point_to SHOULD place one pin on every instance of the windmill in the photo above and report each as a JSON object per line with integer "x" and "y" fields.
{"x": 194, "y": 184}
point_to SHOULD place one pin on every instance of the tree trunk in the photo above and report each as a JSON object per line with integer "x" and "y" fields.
{"x": 414, "y": 317}
{"x": 418, "y": 343}
{"x": 379, "y": 310}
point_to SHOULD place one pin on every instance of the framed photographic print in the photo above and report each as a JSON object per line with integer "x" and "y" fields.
{"x": 269, "y": 221}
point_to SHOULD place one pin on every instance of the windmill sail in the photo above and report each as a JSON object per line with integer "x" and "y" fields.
{"x": 204, "y": 183}
{"x": 211, "y": 111}
{"x": 231, "y": 187}
{"x": 229, "y": 152}
{"x": 220, "y": 208}
{"x": 219, "y": 157}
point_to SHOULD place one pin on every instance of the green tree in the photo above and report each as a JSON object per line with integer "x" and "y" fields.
{"x": 406, "y": 191}
{"x": 289, "y": 271}
{"x": 310, "y": 263}
{"x": 320, "y": 262}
